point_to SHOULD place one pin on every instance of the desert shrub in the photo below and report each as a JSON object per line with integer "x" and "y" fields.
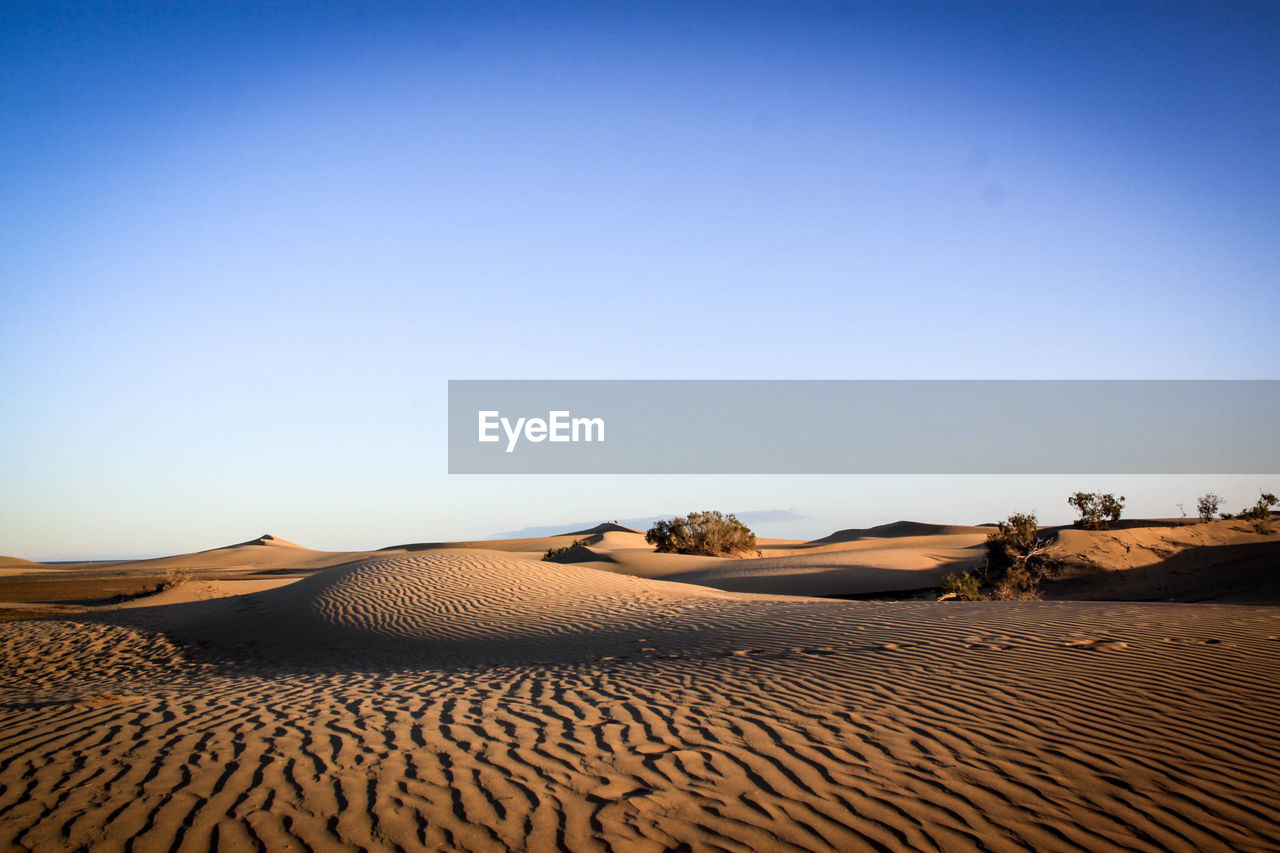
{"x": 963, "y": 586}
{"x": 1018, "y": 584}
{"x": 552, "y": 553}
{"x": 1017, "y": 558}
{"x": 1262, "y": 509}
{"x": 1097, "y": 510}
{"x": 173, "y": 578}
{"x": 709, "y": 533}
{"x": 1260, "y": 513}
{"x": 1208, "y": 505}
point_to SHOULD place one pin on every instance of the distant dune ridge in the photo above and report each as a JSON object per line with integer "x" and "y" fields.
{"x": 471, "y": 696}
{"x": 268, "y": 540}
{"x": 899, "y": 529}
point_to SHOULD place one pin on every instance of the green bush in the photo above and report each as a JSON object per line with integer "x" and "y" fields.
{"x": 1260, "y": 513}
{"x": 1208, "y": 505}
{"x": 963, "y": 586}
{"x": 552, "y": 553}
{"x": 1262, "y": 509}
{"x": 1097, "y": 510}
{"x": 707, "y": 533}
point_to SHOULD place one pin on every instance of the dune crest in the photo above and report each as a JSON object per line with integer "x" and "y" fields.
{"x": 897, "y": 529}
{"x": 605, "y": 527}
{"x": 269, "y": 540}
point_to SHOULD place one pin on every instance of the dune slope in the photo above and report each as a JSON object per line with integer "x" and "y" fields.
{"x": 462, "y": 701}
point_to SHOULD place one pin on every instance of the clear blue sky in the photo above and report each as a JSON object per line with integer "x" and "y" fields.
{"x": 242, "y": 249}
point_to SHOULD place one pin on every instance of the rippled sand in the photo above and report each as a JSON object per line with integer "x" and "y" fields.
{"x": 477, "y": 701}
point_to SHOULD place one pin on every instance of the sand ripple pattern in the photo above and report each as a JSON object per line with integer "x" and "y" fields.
{"x": 727, "y": 724}
{"x": 444, "y": 599}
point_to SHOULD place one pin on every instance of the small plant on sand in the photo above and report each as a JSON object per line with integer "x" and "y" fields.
{"x": 708, "y": 533}
{"x": 1260, "y": 513}
{"x": 1097, "y": 510}
{"x": 1208, "y": 505}
{"x": 552, "y": 553}
{"x": 1017, "y": 559}
{"x": 172, "y": 579}
{"x": 962, "y": 587}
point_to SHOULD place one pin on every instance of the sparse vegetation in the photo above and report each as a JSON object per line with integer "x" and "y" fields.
{"x": 1208, "y": 506}
{"x": 963, "y": 586}
{"x": 1017, "y": 559}
{"x": 708, "y": 533}
{"x": 552, "y": 553}
{"x": 172, "y": 579}
{"x": 1097, "y": 510}
{"x": 1260, "y": 513}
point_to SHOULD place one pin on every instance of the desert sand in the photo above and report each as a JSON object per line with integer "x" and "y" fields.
{"x": 468, "y": 696}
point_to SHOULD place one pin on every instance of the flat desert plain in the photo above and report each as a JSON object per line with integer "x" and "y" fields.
{"x": 470, "y": 696}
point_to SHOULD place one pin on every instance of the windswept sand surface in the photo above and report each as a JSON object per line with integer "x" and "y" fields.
{"x": 470, "y": 700}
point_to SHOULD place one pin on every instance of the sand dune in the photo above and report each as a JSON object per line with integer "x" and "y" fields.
{"x": 264, "y": 552}
{"x": 898, "y": 529}
{"x": 849, "y": 572}
{"x": 474, "y": 702}
{"x": 459, "y": 698}
{"x": 909, "y": 557}
{"x": 607, "y": 527}
{"x": 59, "y": 588}
{"x": 1218, "y": 561}
{"x": 450, "y": 608}
{"x": 1135, "y": 546}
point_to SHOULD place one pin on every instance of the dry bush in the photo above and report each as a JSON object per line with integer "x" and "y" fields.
{"x": 707, "y": 533}
{"x": 1018, "y": 584}
{"x": 1017, "y": 559}
{"x": 172, "y": 579}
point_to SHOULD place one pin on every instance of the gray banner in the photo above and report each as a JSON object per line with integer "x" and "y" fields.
{"x": 864, "y": 427}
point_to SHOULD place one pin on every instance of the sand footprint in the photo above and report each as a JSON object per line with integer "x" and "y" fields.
{"x": 992, "y": 643}
{"x": 811, "y": 650}
{"x": 1194, "y": 641}
{"x": 1097, "y": 643}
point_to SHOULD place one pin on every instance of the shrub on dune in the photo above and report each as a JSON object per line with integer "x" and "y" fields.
{"x": 708, "y": 533}
{"x": 1017, "y": 559}
{"x": 552, "y": 553}
{"x": 961, "y": 587}
{"x": 1260, "y": 513}
{"x": 1097, "y": 510}
{"x": 1208, "y": 505}
{"x": 173, "y": 579}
